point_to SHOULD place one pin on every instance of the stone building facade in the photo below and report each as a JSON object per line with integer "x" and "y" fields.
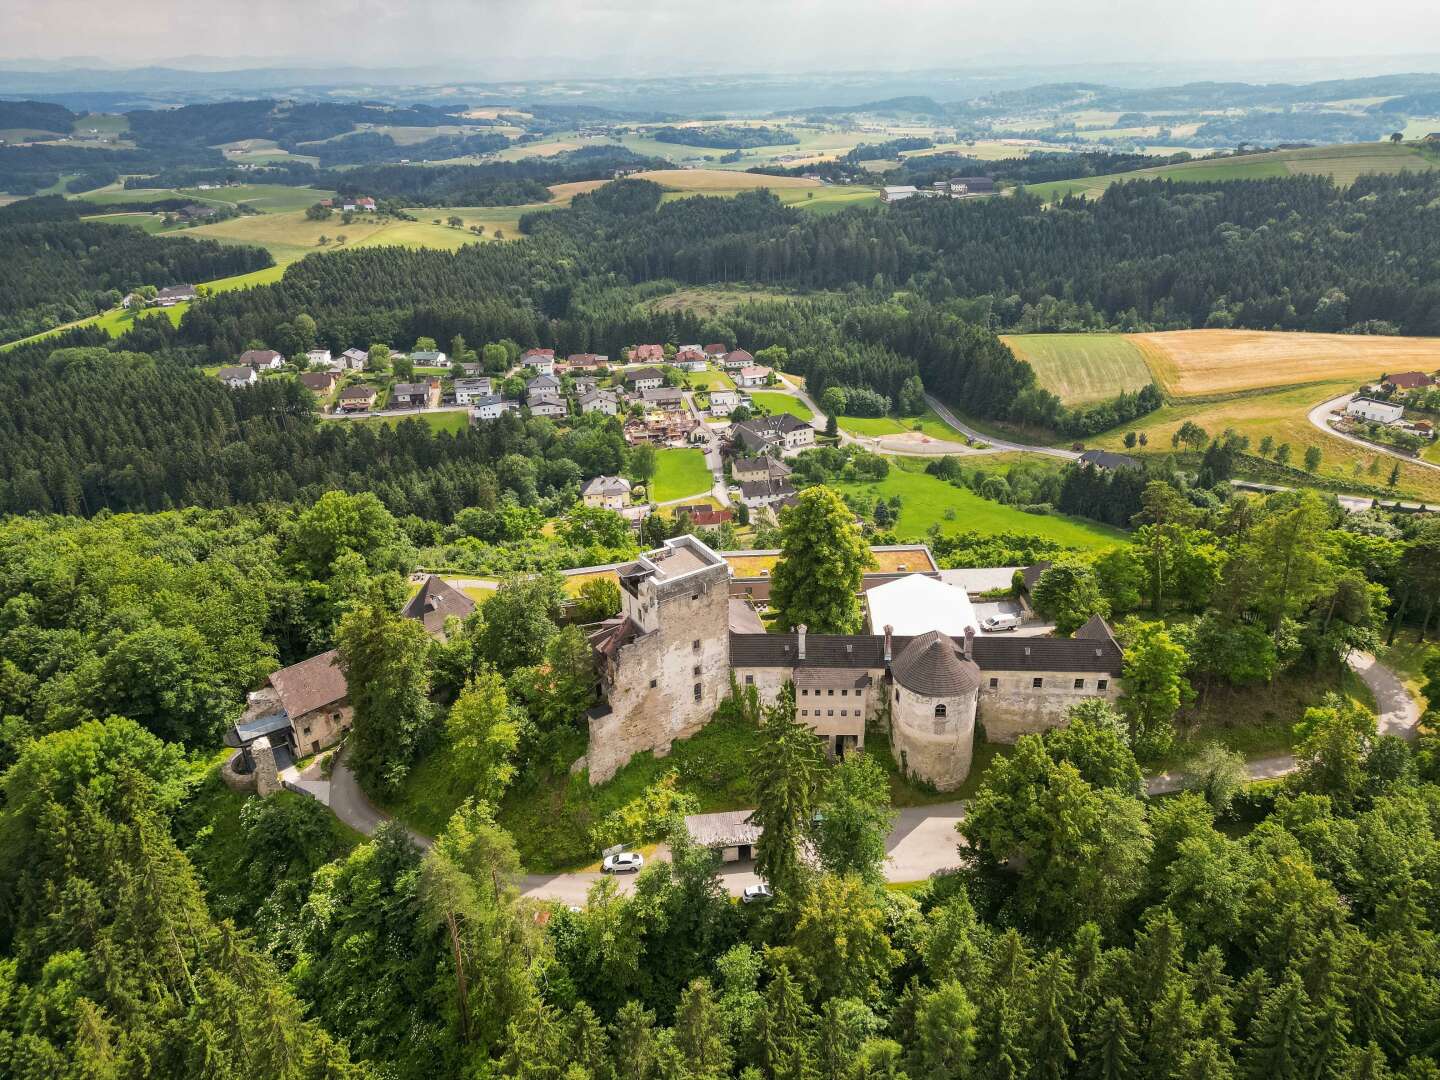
{"x": 667, "y": 661}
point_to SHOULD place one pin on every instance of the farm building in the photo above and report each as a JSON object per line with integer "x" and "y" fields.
{"x": 1380, "y": 412}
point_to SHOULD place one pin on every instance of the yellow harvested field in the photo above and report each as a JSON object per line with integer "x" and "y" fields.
{"x": 722, "y": 180}
{"x": 1201, "y": 363}
{"x": 565, "y": 192}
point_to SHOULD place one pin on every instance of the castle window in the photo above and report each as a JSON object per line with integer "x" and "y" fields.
{"x": 844, "y": 693}
{"x": 694, "y": 596}
{"x": 654, "y": 683}
{"x": 831, "y": 691}
{"x": 897, "y": 695}
{"x": 306, "y": 729}
{"x": 940, "y": 711}
{"x": 695, "y": 645}
{"x": 698, "y": 691}
{"x": 829, "y": 712}
{"x": 1037, "y": 682}
{"x": 1102, "y": 684}
{"x": 994, "y": 684}
{"x": 749, "y": 680}
{"x": 695, "y": 671}
{"x": 804, "y": 692}
{"x": 1079, "y": 684}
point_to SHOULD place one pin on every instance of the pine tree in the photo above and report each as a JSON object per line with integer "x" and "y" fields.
{"x": 787, "y": 780}
{"x": 943, "y": 1047}
{"x": 1205, "y": 1060}
{"x": 1001, "y": 1045}
{"x": 632, "y": 1042}
{"x": 782, "y": 1032}
{"x": 1279, "y": 1041}
{"x": 1110, "y": 1043}
{"x": 700, "y": 1033}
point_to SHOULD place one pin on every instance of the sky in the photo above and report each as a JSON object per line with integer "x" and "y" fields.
{"x": 657, "y": 37}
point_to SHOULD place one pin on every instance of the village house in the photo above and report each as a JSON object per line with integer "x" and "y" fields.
{"x": 706, "y": 516}
{"x": 893, "y": 193}
{"x": 601, "y": 401}
{"x": 429, "y": 358}
{"x": 262, "y": 359}
{"x": 491, "y": 407}
{"x": 583, "y": 384}
{"x": 472, "y": 369}
{"x": 542, "y": 386}
{"x": 366, "y": 203}
{"x": 301, "y": 710}
{"x": 437, "y": 603}
{"x": 417, "y": 395}
{"x": 354, "y": 359}
{"x": 691, "y": 358}
{"x": 756, "y": 470}
{"x": 1380, "y": 412}
{"x": 357, "y": 398}
{"x": 318, "y": 382}
{"x": 175, "y": 294}
{"x": 585, "y": 361}
{"x": 319, "y": 358}
{"x": 757, "y": 494}
{"x": 670, "y": 655}
{"x": 737, "y": 359}
{"x": 607, "y": 492}
{"x": 668, "y": 398}
{"x": 752, "y": 376}
{"x": 553, "y": 407}
{"x": 780, "y": 433}
{"x": 1106, "y": 460}
{"x": 542, "y": 360}
{"x": 723, "y": 402}
{"x": 642, "y": 379}
{"x": 1409, "y": 380}
{"x": 468, "y": 391}
{"x": 971, "y": 185}
{"x": 236, "y": 377}
{"x": 647, "y": 354}
{"x": 716, "y": 351}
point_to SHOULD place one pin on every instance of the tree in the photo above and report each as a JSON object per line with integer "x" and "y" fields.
{"x": 384, "y": 659}
{"x": 943, "y": 1046}
{"x": 853, "y": 964}
{"x": 1110, "y": 1042}
{"x": 520, "y": 620}
{"x": 484, "y": 733}
{"x": 1190, "y": 435}
{"x": 339, "y": 523}
{"x": 594, "y": 526}
{"x": 1279, "y": 1045}
{"x": 641, "y": 463}
{"x": 1312, "y": 459}
{"x": 1218, "y": 773}
{"x": 599, "y": 599}
{"x": 787, "y": 780}
{"x": 832, "y": 401}
{"x": 782, "y": 1032}
{"x": 1096, "y": 742}
{"x": 855, "y": 819}
{"x": 911, "y": 400}
{"x": 378, "y": 359}
{"x": 403, "y": 367}
{"x": 700, "y": 1033}
{"x": 1155, "y": 685}
{"x": 1069, "y": 593}
{"x": 823, "y": 559}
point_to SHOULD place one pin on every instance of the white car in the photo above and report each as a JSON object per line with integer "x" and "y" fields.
{"x": 996, "y": 624}
{"x": 755, "y": 894}
{"x": 627, "y": 862}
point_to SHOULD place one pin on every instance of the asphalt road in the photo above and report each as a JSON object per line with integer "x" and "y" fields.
{"x": 1325, "y": 408}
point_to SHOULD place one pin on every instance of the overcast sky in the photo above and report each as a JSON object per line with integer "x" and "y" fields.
{"x": 652, "y": 37}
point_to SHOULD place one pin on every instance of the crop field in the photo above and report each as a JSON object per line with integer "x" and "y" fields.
{"x": 715, "y": 300}
{"x": 678, "y": 474}
{"x": 926, "y": 501}
{"x": 1201, "y": 363}
{"x": 1344, "y": 163}
{"x": 720, "y": 181}
{"x": 1082, "y": 368}
{"x": 1282, "y": 415}
{"x": 781, "y": 403}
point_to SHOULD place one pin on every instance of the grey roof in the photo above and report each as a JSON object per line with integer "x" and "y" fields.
{"x": 932, "y": 666}
{"x": 770, "y": 426}
{"x": 437, "y": 601}
{"x": 990, "y": 652}
{"x": 729, "y": 828}
{"x": 229, "y": 374}
{"x": 410, "y": 389}
{"x": 644, "y": 373}
{"x": 175, "y": 292}
{"x": 355, "y": 393}
{"x": 606, "y": 485}
{"x": 426, "y": 355}
{"x": 1104, "y": 459}
{"x": 542, "y": 381}
{"x": 1031, "y": 574}
{"x": 482, "y": 384}
{"x": 743, "y": 619}
{"x": 486, "y": 399}
{"x": 663, "y": 393}
{"x": 765, "y": 489}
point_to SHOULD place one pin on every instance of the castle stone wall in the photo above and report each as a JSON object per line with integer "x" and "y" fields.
{"x": 935, "y": 749}
{"x": 1015, "y": 706}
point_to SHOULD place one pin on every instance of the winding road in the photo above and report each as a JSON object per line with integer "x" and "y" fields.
{"x": 923, "y": 841}
{"x": 1325, "y": 408}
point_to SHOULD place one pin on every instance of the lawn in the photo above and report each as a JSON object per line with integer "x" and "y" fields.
{"x": 1210, "y": 363}
{"x": 776, "y": 403}
{"x": 709, "y": 380}
{"x": 872, "y": 426}
{"x": 1283, "y": 415}
{"x": 1082, "y": 368}
{"x": 678, "y": 474}
{"x": 926, "y": 500}
{"x": 439, "y": 421}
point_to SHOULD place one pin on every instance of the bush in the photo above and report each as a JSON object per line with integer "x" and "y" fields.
{"x": 647, "y": 818}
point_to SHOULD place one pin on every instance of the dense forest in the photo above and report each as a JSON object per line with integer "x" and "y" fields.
{"x": 36, "y": 116}
{"x": 58, "y": 271}
{"x": 286, "y": 122}
{"x": 724, "y": 136}
{"x": 369, "y": 147}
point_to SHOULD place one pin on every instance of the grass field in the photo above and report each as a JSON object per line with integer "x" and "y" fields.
{"x": 723, "y": 182}
{"x": 714, "y": 299}
{"x": 1283, "y": 415}
{"x": 925, "y": 499}
{"x": 1199, "y": 363}
{"x": 709, "y": 380}
{"x": 678, "y": 474}
{"x": 439, "y": 421}
{"x": 1082, "y": 368}
{"x": 929, "y": 421}
{"x": 1343, "y": 163}
{"x": 781, "y": 403}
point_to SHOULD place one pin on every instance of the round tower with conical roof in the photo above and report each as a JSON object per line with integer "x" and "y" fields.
{"x": 933, "y": 694}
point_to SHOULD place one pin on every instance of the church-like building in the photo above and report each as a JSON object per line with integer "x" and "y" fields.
{"x": 676, "y": 649}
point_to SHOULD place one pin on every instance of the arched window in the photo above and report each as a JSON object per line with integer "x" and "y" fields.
{"x": 940, "y": 712}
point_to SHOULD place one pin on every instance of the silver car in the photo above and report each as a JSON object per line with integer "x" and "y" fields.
{"x": 756, "y": 894}
{"x": 627, "y": 862}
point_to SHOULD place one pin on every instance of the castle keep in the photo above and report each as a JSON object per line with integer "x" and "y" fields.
{"x": 667, "y": 661}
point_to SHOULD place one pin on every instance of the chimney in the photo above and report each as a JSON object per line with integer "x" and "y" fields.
{"x": 969, "y": 643}
{"x": 800, "y": 640}
{"x": 889, "y": 630}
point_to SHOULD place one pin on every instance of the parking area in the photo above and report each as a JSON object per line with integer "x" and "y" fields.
{"x": 1031, "y": 628}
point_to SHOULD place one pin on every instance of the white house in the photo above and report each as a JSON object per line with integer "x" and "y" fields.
{"x": 896, "y": 192}
{"x": 542, "y": 360}
{"x": 1382, "y": 412}
{"x": 737, "y": 359}
{"x": 262, "y": 359}
{"x": 547, "y": 406}
{"x": 236, "y": 377}
{"x": 723, "y": 402}
{"x": 491, "y": 407}
{"x": 354, "y": 359}
{"x": 610, "y": 492}
{"x": 469, "y": 391}
{"x": 319, "y": 358}
{"x": 430, "y": 358}
{"x": 602, "y": 401}
{"x": 642, "y": 379}
{"x": 753, "y": 376}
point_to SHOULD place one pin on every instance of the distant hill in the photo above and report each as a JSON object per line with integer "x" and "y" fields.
{"x": 35, "y": 116}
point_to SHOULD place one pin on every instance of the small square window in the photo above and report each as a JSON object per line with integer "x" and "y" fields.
{"x": 654, "y": 683}
{"x": 694, "y": 596}
{"x": 1037, "y": 682}
{"x": 1103, "y": 684}
{"x": 831, "y": 691}
{"x": 829, "y": 712}
{"x": 994, "y": 684}
{"x": 695, "y": 671}
{"x": 804, "y": 693}
{"x": 844, "y": 693}
{"x": 749, "y": 680}
{"x": 1079, "y": 684}
{"x": 844, "y": 712}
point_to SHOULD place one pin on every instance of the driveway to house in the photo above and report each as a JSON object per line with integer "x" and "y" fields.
{"x": 924, "y": 841}
{"x": 1325, "y": 408}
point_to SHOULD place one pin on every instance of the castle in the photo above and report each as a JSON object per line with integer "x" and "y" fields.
{"x": 670, "y": 656}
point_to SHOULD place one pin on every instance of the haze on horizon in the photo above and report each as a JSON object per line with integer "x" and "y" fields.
{"x": 647, "y": 38}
